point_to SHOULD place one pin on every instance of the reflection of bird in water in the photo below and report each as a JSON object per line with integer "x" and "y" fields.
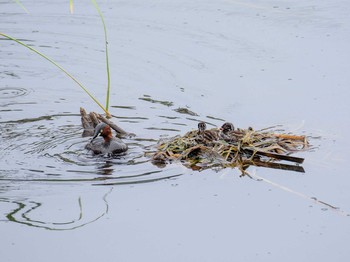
{"x": 107, "y": 144}
{"x": 205, "y": 136}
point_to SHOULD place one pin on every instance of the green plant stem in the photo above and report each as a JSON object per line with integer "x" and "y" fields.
{"x": 106, "y": 43}
{"x": 22, "y": 6}
{"x": 60, "y": 67}
{"x": 71, "y": 6}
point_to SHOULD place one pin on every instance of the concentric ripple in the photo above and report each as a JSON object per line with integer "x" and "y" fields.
{"x": 12, "y": 92}
{"x": 52, "y": 149}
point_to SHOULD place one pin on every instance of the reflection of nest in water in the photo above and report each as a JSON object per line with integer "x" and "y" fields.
{"x": 240, "y": 148}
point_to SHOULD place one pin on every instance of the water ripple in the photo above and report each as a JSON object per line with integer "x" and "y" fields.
{"x": 12, "y": 92}
{"x": 51, "y": 149}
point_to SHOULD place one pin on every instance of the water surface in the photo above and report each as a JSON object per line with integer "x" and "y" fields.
{"x": 255, "y": 63}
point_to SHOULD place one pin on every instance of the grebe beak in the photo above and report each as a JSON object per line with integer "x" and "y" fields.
{"x": 98, "y": 130}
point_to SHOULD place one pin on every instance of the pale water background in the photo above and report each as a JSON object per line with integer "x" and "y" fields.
{"x": 254, "y": 63}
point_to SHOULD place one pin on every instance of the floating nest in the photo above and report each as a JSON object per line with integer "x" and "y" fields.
{"x": 214, "y": 148}
{"x": 240, "y": 148}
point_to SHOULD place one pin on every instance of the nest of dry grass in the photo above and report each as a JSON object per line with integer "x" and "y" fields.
{"x": 240, "y": 148}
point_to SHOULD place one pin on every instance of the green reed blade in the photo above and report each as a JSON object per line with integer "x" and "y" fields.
{"x": 60, "y": 67}
{"x": 21, "y": 5}
{"x": 106, "y": 43}
{"x": 71, "y": 6}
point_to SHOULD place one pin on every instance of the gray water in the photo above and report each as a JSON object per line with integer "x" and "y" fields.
{"x": 254, "y": 63}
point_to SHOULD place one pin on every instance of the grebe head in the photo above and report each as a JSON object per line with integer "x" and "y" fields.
{"x": 202, "y": 126}
{"x": 103, "y": 130}
{"x": 227, "y": 127}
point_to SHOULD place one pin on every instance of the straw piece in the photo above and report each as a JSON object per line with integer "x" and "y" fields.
{"x": 291, "y": 137}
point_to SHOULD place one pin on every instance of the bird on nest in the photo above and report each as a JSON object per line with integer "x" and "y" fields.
{"x": 205, "y": 136}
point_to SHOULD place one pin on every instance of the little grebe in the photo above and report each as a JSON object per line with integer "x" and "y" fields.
{"x": 107, "y": 145}
{"x": 227, "y": 127}
{"x": 206, "y": 136}
{"x": 227, "y": 132}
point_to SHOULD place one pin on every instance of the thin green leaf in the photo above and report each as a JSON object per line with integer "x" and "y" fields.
{"x": 21, "y": 5}
{"x": 71, "y": 6}
{"x": 60, "y": 67}
{"x": 106, "y": 43}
